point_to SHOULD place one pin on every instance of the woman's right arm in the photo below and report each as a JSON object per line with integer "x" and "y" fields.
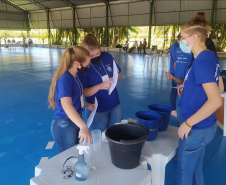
{"x": 89, "y": 91}
{"x": 213, "y": 102}
{"x": 71, "y": 112}
{"x": 221, "y": 85}
{"x": 171, "y": 77}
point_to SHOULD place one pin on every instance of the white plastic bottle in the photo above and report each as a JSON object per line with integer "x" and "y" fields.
{"x": 81, "y": 168}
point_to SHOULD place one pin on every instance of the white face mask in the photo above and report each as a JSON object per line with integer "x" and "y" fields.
{"x": 184, "y": 47}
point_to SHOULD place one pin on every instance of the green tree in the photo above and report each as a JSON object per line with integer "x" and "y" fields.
{"x": 43, "y": 34}
{"x": 4, "y": 35}
{"x": 220, "y": 32}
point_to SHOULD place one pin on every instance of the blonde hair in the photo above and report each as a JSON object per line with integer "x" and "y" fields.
{"x": 90, "y": 43}
{"x": 67, "y": 59}
{"x": 198, "y": 25}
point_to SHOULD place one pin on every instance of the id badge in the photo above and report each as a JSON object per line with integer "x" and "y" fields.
{"x": 82, "y": 101}
{"x": 105, "y": 78}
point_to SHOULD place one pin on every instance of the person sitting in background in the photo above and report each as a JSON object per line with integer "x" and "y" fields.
{"x": 140, "y": 47}
{"x": 134, "y": 47}
{"x": 125, "y": 48}
{"x": 209, "y": 43}
{"x": 30, "y": 42}
{"x": 119, "y": 46}
{"x": 214, "y": 40}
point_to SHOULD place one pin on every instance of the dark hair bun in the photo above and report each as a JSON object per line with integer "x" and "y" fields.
{"x": 200, "y": 19}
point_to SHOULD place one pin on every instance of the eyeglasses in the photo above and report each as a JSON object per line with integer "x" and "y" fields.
{"x": 183, "y": 38}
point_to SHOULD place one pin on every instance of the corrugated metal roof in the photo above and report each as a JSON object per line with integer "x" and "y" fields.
{"x": 121, "y": 13}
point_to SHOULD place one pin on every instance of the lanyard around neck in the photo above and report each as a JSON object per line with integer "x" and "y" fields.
{"x": 79, "y": 85}
{"x": 96, "y": 69}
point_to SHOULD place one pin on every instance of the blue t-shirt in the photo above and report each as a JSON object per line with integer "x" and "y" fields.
{"x": 205, "y": 69}
{"x": 67, "y": 86}
{"x": 93, "y": 76}
{"x": 183, "y": 61}
{"x": 173, "y": 56}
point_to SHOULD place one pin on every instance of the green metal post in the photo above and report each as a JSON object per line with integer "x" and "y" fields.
{"x": 106, "y": 28}
{"x": 48, "y": 26}
{"x": 179, "y": 12}
{"x": 150, "y": 23}
{"x": 74, "y": 27}
{"x": 27, "y": 24}
{"x": 212, "y": 12}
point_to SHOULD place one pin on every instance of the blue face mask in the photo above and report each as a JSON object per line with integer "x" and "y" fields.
{"x": 184, "y": 47}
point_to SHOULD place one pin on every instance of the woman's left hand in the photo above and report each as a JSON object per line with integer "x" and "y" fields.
{"x": 183, "y": 131}
{"x": 89, "y": 106}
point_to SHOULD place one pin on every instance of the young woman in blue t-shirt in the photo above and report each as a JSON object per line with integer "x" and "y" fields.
{"x": 200, "y": 98}
{"x": 96, "y": 82}
{"x": 66, "y": 97}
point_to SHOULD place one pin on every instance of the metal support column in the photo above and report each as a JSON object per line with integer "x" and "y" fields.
{"x": 48, "y": 26}
{"x": 106, "y": 28}
{"x": 213, "y": 12}
{"x": 74, "y": 27}
{"x": 150, "y": 23}
{"x": 27, "y": 24}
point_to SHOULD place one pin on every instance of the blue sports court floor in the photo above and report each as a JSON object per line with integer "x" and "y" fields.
{"x": 25, "y": 76}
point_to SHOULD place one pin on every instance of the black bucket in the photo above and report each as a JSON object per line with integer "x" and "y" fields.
{"x": 125, "y": 143}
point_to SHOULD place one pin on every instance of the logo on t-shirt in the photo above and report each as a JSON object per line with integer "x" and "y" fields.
{"x": 109, "y": 68}
{"x": 216, "y": 72}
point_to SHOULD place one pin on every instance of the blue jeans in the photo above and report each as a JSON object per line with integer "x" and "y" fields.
{"x": 173, "y": 95}
{"x": 103, "y": 120}
{"x": 65, "y": 133}
{"x": 190, "y": 156}
{"x": 178, "y": 108}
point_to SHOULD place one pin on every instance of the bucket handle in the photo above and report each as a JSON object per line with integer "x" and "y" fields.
{"x": 152, "y": 130}
{"x": 134, "y": 141}
{"x": 139, "y": 125}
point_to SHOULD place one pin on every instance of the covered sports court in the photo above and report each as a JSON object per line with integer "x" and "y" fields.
{"x": 26, "y": 73}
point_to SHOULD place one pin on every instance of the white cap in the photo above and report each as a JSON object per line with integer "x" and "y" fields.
{"x": 82, "y": 148}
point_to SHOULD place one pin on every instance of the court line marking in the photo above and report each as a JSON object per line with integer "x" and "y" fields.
{"x": 43, "y": 159}
{"x": 27, "y": 73}
{"x": 50, "y": 145}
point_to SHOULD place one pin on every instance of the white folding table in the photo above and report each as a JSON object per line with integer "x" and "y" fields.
{"x": 102, "y": 171}
{"x": 157, "y": 153}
